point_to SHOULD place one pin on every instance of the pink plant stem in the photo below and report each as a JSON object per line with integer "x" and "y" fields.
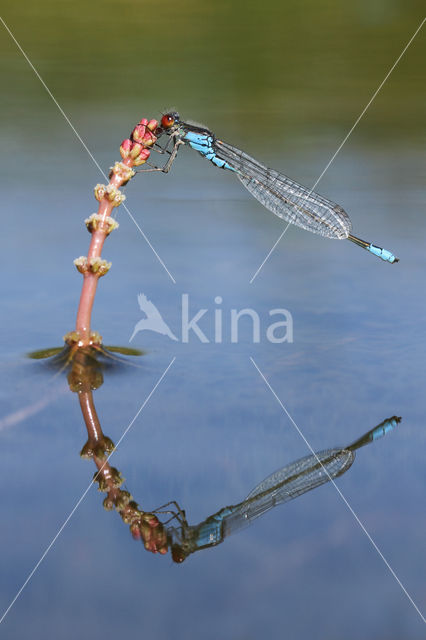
{"x": 90, "y": 280}
{"x": 84, "y": 313}
{"x": 134, "y": 152}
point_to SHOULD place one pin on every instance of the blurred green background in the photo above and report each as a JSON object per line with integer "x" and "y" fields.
{"x": 286, "y": 67}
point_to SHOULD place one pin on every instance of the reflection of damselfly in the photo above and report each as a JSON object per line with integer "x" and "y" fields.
{"x": 286, "y": 198}
{"x": 282, "y": 486}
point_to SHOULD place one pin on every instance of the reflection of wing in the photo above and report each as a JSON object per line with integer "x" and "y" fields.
{"x": 295, "y": 479}
{"x": 284, "y": 485}
{"x": 148, "y": 307}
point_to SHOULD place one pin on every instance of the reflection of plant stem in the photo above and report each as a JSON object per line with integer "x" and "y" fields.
{"x": 134, "y": 151}
{"x": 85, "y": 376}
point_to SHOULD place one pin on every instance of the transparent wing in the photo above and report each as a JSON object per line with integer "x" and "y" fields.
{"x": 288, "y": 483}
{"x": 286, "y": 198}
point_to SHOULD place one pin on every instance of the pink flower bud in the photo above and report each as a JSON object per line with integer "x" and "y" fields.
{"x": 148, "y": 139}
{"x": 136, "y": 149}
{"x": 125, "y": 147}
{"x": 138, "y": 133}
{"x": 152, "y": 125}
{"x": 142, "y": 157}
{"x": 144, "y": 121}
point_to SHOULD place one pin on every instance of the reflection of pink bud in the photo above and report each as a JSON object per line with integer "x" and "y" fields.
{"x": 135, "y": 531}
{"x": 145, "y": 529}
{"x": 161, "y": 538}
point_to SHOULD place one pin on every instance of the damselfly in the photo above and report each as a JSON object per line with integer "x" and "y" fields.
{"x": 282, "y": 486}
{"x": 283, "y": 196}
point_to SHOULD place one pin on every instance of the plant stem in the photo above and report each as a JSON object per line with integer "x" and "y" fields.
{"x": 134, "y": 152}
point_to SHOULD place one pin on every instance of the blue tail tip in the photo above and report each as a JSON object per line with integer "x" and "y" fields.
{"x": 384, "y": 254}
{"x": 386, "y": 426}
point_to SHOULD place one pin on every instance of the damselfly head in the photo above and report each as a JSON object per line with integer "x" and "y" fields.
{"x": 169, "y": 120}
{"x": 178, "y": 553}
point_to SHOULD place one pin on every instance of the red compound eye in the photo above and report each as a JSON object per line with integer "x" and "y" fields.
{"x": 167, "y": 121}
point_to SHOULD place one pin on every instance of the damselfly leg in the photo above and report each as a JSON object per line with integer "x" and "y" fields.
{"x": 178, "y": 514}
{"x": 167, "y": 166}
